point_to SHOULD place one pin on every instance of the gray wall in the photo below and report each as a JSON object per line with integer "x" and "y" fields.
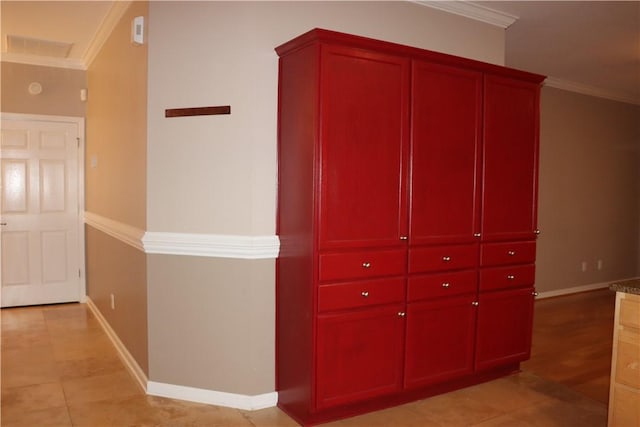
{"x": 589, "y": 190}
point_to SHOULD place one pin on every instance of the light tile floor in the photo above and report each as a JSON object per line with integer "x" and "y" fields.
{"x": 60, "y": 369}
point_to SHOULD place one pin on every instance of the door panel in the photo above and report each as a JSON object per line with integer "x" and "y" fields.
{"x": 510, "y": 159}
{"x": 505, "y": 319}
{"x": 359, "y": 355}
{"x": 445, "y": 144}
{"x": 440, "y": 338}
{"x": 364, "y": 103}
{"x": 40, "y": 207}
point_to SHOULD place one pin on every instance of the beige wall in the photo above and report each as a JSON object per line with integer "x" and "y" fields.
{"x": 211, "y": 320}
{"x": 116, "y": 188}
{"x": 116, "y": 268}
{"x": 60, "y": 94}
{"x": 589, "y": 190}
{"x": 222, "y": 53}
{"x": 212, "y": 323}
{"x": 117, "y": 127}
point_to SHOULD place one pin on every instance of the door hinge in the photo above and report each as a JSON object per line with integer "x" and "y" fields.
{"x": 78, "y": 139}
{"x": 79, "y": 273}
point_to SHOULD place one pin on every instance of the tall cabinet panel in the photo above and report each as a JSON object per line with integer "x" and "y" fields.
{"x": 446, "y": 112}
{"x": 510, "y": 159}
{"x": 406, "y": 218}
{"x": 364, "y": 129}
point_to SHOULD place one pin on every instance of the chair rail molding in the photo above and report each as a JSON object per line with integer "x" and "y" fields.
{"x": 190, "y": 244}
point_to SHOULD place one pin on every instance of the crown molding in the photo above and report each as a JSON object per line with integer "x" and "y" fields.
{"x": 590, "y": 90}
{"x": 118, "y": 8}
{"x": 473, "y": 11}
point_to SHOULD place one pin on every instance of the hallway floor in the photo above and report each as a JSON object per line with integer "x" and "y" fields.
{"x": 60, "y": 369}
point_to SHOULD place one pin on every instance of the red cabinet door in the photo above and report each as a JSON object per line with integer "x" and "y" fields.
{"x": 445, "y": 143}
{"x": 364, "y": 133}
{"x": 505, "y": 319}
{"x": 359, "y": 355}
{"x": 510, "y": 159}
{"x": 440, "y": 340}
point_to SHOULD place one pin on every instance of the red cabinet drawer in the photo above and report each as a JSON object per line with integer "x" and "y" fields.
{"x": 442, "y": 285}
{"x": 507, "y": 277}
{"x": 440, "y": 258}
{"x": 356, "y": 265}
{"x": 338, "y": 296}
{"x": 507, "y": 253}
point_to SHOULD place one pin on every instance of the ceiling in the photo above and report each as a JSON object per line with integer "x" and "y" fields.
{"x": 591, "y": 47}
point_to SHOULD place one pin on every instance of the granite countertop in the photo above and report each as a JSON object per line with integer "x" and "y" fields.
{"x": 627, "y": 286}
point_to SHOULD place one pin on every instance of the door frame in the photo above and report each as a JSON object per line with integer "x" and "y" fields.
{"x": 80, "y": 122}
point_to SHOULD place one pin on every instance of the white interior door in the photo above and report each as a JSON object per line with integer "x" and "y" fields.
{"x": 40, "y": 239}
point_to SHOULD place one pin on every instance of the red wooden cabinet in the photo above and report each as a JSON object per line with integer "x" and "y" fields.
{"x": 406, "y": 180}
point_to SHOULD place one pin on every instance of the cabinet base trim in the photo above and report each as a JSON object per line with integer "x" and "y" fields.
{"x": 301, "y": 413}
{"x": 212, "y": 397}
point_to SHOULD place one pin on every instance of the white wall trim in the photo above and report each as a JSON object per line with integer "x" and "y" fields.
{"x": 212, "y": 245}
{"x": 128, "y": 360}
{"x": 218, "y": 398}
{"x": 128, "y": 234}
{"x": 43, "y": 61}
{"x": 590, "y": 90}
{"x": 473, "y": 11}
{"x": 577, "y": 289}
{"x": 189, "y": 244}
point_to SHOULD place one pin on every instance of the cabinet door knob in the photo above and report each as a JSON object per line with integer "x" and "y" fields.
{"x": 477, "y": 234}
{"x": 534, "y": 293}
{"x": 366, "y": 264}
{"x": 536, "y": 231}
{"x": 475, "y": 303}
{"x": 445, "y": 285}
{"x": 511, "y": 277}
{"x": 402, "y": 313}
{"x": 446, "y": 258}
{"x": 511, "y": 253}
{"x": 365, "y": 294}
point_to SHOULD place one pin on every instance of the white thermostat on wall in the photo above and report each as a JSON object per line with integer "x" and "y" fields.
{"x": 137, "y": 30}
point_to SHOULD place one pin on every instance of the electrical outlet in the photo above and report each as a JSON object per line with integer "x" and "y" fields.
{"x": 584, "y": 266}
{"x": 599, "y": 264}
{"x": 113, "y": 302}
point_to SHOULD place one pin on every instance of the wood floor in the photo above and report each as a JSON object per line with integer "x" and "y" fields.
{"x": 59, "y": 369}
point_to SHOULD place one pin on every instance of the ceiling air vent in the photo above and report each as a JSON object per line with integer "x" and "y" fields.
{"x": 29, "y": 46}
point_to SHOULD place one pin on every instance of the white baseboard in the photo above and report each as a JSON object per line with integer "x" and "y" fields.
{"x": 576, "y": 289}
{"x": 191, "y": 394}
{"x": 124, "y": 354}
{"x": 218, "y": 398}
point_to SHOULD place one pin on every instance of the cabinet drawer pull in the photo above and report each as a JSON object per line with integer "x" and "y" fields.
{"x": 404, "y": 238}
{"x": 476, "y": 234}
{"x": 366, "y": 264}
{"x": 402, "y": 313}
{"x": 365, "y": 294}
{"x": 475, "y": 303}
{"x": 511, "y": 253}
{"x": 511, "y": 277}
{"x": 445, "y": 285}
{"x": 446, "y": 258}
